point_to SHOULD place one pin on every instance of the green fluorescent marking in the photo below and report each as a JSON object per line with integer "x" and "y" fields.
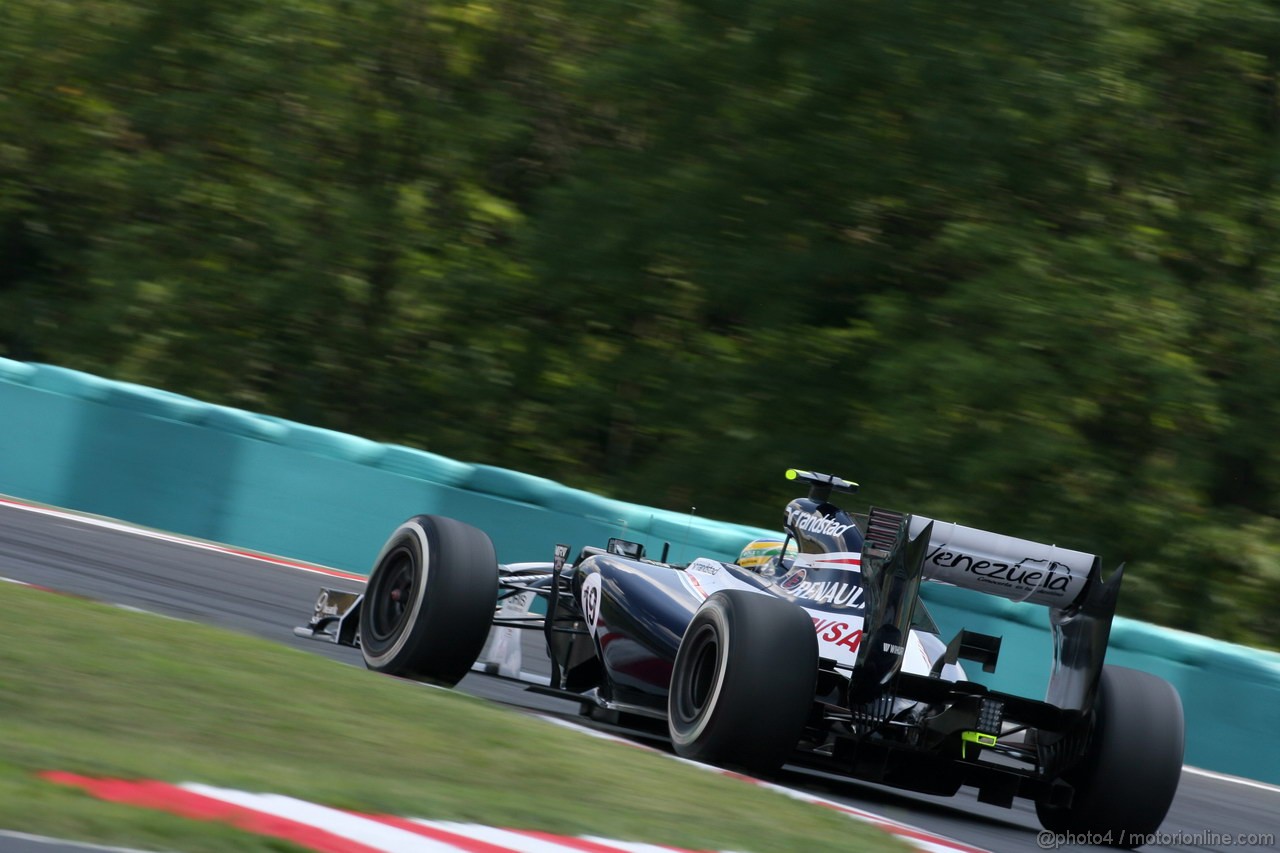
{"x": 979, "y": 738}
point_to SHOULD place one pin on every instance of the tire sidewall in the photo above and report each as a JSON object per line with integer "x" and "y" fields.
{"x": 762, "y": 689}
{"x": 1126, "y": 780}
{"x": 413, "y": 534}
{"x": 710, "y": 619}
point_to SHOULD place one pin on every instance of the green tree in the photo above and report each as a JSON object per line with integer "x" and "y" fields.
{"x": 1006, "y": 264}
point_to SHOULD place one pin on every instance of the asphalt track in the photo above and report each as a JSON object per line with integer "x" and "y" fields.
{"x": 115, "y": 564}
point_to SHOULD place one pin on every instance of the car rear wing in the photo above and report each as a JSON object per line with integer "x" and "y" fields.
{"x": 1017, "y": 569}
{"x": 901, "y": 551}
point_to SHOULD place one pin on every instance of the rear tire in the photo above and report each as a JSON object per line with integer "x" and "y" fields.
{"x": 743, "y": 682}
{"x": 1126, "y": 780}
{"x": 430, "y": 600}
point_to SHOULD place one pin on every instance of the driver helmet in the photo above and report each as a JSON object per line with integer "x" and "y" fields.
{"x": 764, "y": 555}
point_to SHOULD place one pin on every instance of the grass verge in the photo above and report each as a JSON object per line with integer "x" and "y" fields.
{"x": 100, "y": 691}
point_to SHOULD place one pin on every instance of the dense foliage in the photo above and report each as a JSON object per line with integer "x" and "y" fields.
{"x": 1005, "y": 263}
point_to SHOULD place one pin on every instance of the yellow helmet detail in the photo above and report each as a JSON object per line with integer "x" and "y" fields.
{"x": 760, "y": 552}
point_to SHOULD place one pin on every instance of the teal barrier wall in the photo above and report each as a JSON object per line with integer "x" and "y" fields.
{"x": 166, "y": 461}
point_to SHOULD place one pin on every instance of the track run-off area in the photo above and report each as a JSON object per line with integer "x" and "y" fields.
{"x": 265, "y": 596}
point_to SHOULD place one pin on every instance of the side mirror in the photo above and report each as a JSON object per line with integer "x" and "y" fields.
{"x": 623, "y": 548}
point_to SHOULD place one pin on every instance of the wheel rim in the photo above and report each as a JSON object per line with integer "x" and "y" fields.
{"x": 390, "y": 596}
{"x": 696, "y": 689}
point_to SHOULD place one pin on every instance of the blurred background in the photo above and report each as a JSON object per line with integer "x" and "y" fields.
{"x": 1005, "y": 263}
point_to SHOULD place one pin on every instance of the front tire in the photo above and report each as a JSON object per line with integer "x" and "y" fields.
{"x": 430, "y": 600}
{"x": 1126, "y": 780}
{"x": 743, "y": 682}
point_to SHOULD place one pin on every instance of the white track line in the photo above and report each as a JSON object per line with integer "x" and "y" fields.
{"x": 128, "y": 607}
{"x": 317, "y": 827}
{"x": 368, "y": 830}
{"x": 344, "y": 824}
{"x": 62, "y": 842}
{"x": 1235, "y": 780}
{"x": 109, "y": 524}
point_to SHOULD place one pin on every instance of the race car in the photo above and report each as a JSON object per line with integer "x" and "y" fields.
{"x": 813, "y": 651}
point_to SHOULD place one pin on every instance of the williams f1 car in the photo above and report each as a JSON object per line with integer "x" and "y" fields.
{"x": 814, "y": 651}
